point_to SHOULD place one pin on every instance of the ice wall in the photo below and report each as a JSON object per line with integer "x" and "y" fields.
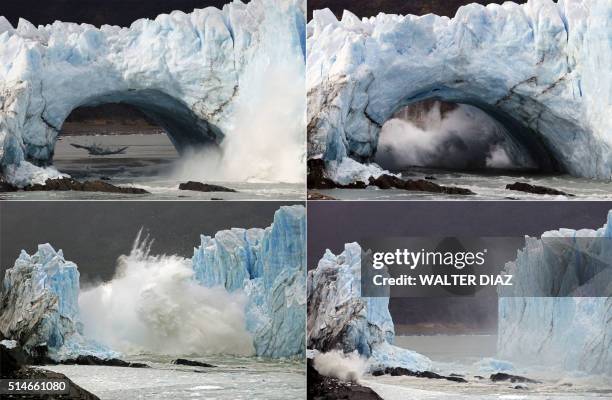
{"x": 270, "y": 264}
{"x": 542, "y": 65}
{"x": 339, "y": 318}
{"x": 187, "y": 72}
{"x": 40, "y": 293}
{"x": 573, "y": 333}
{"x": 39, "y": 306}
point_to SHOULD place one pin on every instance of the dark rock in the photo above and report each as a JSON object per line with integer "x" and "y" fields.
{"x": 503, "y": 377}
{"x": 354, "y": 185}
{"x": 191, "y": 363}
{"x": 389, "y": 181}
{"x": 325, "y": 388}
{"x": 525, "y": 187}
{"x": 315, "y": 178}
{"x": 110, "y": 362}
{"x": 67, "y": 184}
{"x": 479, "y": 377}
{"x": 431, "y": 178}
{"x": 75, "y": 391}
{"x": 399, "y": 371}
{"x": 11, "y": 360}
{"x": 13, "y": 366}
{"x": 319, "y": 196}
{"x": 203, "y": 187}
{"x": 521, "y": 387}
{"x": 105, "y": 178}
{"x": 7, "y": 187}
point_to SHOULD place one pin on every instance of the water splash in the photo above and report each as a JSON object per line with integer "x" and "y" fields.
{"x": 462, "y": 137}
{"x": 152, "y": 304}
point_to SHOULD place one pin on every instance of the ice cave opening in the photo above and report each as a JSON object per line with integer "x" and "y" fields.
{"x": 463, "y": 135}
{"x": 135, "y": 133}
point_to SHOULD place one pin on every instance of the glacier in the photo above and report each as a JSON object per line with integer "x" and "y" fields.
{"x": 340, "y": 319}
{"x": 539, "y": 68}
{"x": 40, "y": 307}
{"x": 270, "y": 265}
{"x": 40, "y": 294}
{"x": 187, "y": 72}
{"x": 572, "y": 333}
{"x": 568, "y": 333}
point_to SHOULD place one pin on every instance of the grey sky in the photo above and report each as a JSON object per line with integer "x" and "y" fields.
{"x": 93, "y": 234}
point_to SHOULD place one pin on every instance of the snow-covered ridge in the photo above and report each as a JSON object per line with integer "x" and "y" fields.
{"x": 40, "y": 294}
{"x": 540, "y": 65}
{"x": 185, "y": 71}
{"x": 574, "y": 333}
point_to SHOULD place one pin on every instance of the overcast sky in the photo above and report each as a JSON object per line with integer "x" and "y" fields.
{"x": 331, "y": 224}
{"x": 94, "y": 233}
{"x": 97, "y": 12}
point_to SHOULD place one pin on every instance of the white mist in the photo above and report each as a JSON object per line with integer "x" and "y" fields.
{"x": 153, "y": 305}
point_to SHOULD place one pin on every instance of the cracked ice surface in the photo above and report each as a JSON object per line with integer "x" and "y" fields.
{"x": 270, "y": 265}
{"x": 543, "y": 64}
{"x": 40, "y": 306}
{"x": 339, "y": 318}
{"x": 185, "y": 71}
{"x": 574, "y": 333}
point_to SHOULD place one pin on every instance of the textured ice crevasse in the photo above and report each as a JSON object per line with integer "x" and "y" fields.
{"x": 573, "y": 333}
{"x": 339, "y": 318}
{"x": 40, "y": 306}
{"x": 269, "y": 265}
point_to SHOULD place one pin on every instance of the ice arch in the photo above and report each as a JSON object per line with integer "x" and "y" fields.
{"x": 185, "y": 71}
{"x": 541, "y": 68}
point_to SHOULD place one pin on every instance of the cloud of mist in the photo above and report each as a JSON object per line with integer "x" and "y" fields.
{"x": 153, "y": 305}
{"x": 336, "y": 364}
{"x": 464, "y": 138}
{"x": 266, "y": 142}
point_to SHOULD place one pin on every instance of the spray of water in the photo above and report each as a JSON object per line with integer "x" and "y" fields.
{"x": 463, "y": 138}
{"x": 336, "y": 364}
{"x": 266, "y": 141}
{"x": 153, "y": 305}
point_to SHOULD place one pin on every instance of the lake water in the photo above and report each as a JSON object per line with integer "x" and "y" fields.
{"x": 146, "y": 164}
{"x": 461, "y": 355}
{"x": 485, "y": 186}
{"x": 233, "y": 378}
